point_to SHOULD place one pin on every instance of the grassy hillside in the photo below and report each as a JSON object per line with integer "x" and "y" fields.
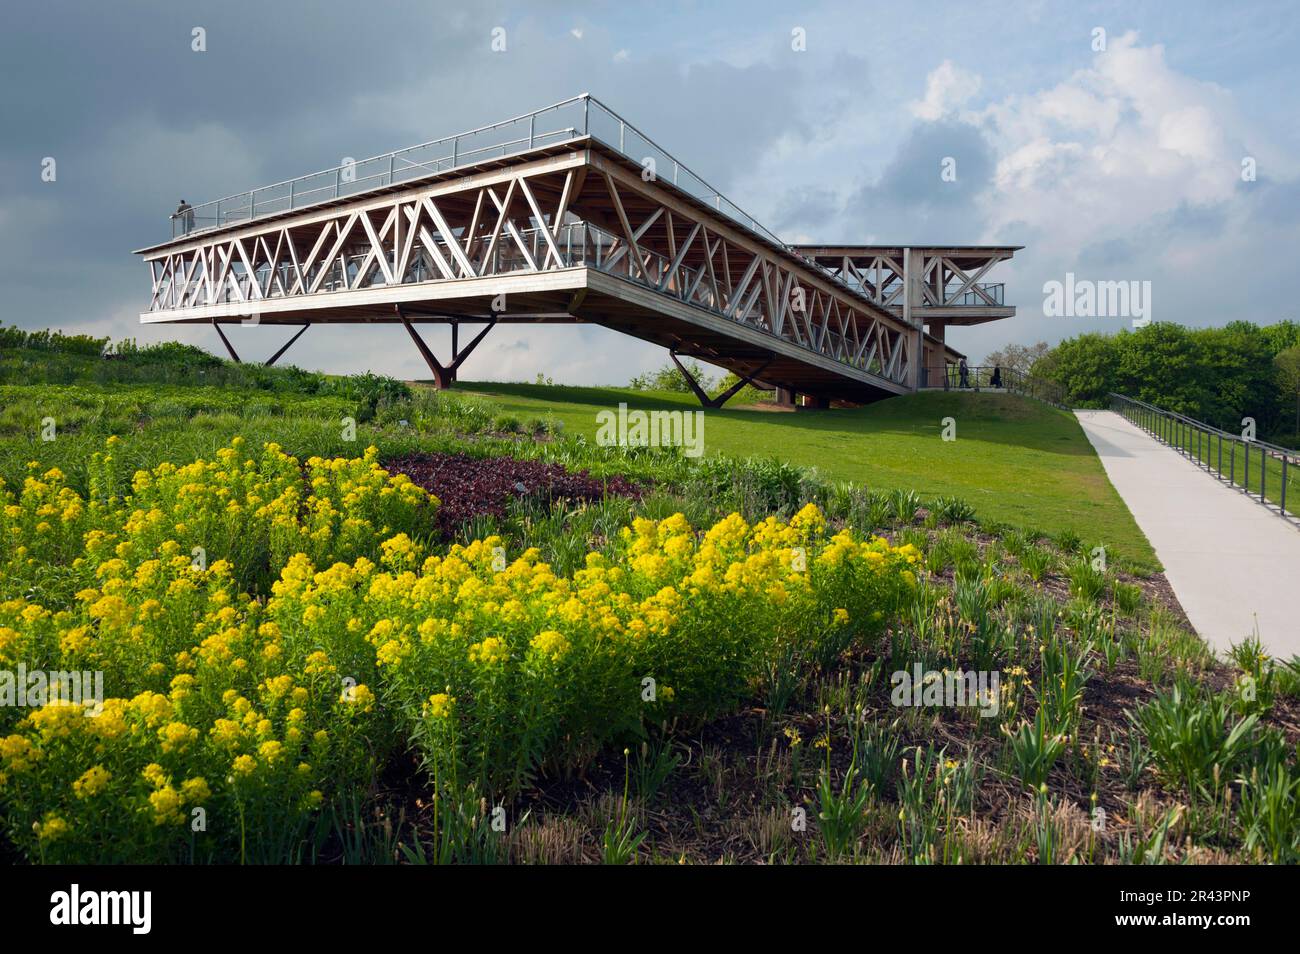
{"x": 775, "y": 609}
{"x": 1017, "y": 461}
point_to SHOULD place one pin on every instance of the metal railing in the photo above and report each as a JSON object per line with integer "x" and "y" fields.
{"x": 1259, "y": 469}
{"x": 993, "y": 378}
{"x": 574, "y": 118}
{"x": 994, "y": 290}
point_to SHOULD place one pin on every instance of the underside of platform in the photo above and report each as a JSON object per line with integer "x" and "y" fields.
{"x": 570, "y": 296}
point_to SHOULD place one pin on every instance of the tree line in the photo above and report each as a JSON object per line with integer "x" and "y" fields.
{"x": 1216, "y": 375}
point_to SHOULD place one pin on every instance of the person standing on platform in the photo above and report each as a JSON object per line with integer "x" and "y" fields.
{"x": 185, "y": 212}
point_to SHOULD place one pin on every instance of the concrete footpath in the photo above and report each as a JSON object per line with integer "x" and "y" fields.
{"x": 1232, "y": 563}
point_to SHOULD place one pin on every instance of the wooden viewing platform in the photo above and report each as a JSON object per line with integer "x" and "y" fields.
{"x": 568, "y": 214}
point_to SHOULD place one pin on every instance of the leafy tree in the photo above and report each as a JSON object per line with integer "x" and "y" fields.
{"x": 1160, "y": 364}
{"x": 1288, "y": 378}
{"x": 1237, "y": 374}
{"x": 1086, "y": 367}
{"x": 1017, "y": 357}
{"x": 1281, "y": 335}
{"x": 668, "y": 378}
{"x": 1218, "y": 375}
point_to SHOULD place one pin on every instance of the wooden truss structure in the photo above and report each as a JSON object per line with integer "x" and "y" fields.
{"x": 947, "y": 283}
{"x": 563, "y": 234}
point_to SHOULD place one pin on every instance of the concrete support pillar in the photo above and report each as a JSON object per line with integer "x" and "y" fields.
{"x": 785, "y": 397}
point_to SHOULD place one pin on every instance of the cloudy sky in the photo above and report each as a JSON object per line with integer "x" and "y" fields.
{"x": 1121, "y": 164}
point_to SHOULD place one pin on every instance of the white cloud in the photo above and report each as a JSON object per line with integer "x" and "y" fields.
{"x": 1111, "y": 149}
{"x": 947, "y": 87}
{"x": 1127, "y": 169}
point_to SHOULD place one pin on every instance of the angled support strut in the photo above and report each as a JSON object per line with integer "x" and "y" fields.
{"x": 226, "y": 341}
{"x": 269, "y": 361}
{"x": 276, "y": 357}
{"x": 443, "y": 375}
{"x": 725, "y": 396}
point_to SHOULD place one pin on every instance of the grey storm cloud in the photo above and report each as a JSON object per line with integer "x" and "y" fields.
{"x": 1108, "y": 254}
{"x": 1275, "y": 203}
{"x": 911, "y": 202}
{"x": 807, "y": 210}
{"x": 136, "y": 120}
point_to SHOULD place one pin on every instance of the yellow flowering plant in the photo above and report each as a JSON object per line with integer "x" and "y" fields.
{"x": 546, "y": 669}
{"x": 321, "y": 631}
{"x": 201, "y": 691}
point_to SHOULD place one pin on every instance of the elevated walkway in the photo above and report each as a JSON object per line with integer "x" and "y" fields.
{"x": 566, "y": 214}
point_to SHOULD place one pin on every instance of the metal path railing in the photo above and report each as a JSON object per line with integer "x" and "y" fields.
{"x": 575, "y": 118}
{"x": 993, "y": 378}
{"x": 1263, "y": 471}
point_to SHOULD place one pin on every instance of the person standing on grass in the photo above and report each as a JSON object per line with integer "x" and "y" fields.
{"x": 963, "y": 374}
{"x": 996, "y": 380}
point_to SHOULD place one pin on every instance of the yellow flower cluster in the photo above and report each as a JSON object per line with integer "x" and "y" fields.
{"x": 246, "y": 513}
{"x": 208, "y": 704}
{"x": 254, "y": 709}
{"x": 668, "y": 619}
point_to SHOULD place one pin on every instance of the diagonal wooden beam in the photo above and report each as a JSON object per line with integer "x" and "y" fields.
{"x": 327, "y": 262}
{"x": 725, "y": 396}
{"x": 503, "y": 206}
{"x": 552, "y": 250}
{"x": 640, "y": 231}
{"x": 276, "y": 357}
{"x": 377, "y": 252}
{"x": 435, "y": 253}
{"x": 681, "y": 254}
{"x": 509, "y": 225}
{"x": 970, "y": 281}
{"x": 626, "y": 227}
{"x": 440, "y": 222}
{"x": 252, "y": 275}
{"x": 411, "y": 213}
{"x": 301, "y": 287}
{"x": 738, "y": 295}
{"x": 226, "y": 341}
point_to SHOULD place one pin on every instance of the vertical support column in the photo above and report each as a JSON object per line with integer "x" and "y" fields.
{"x": 441, "y": 376}
{"x": 913, "y": 276}
{"x": 444, "y": 375}
{"x": 939, "y": 366}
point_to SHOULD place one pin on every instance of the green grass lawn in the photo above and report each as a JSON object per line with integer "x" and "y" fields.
{"x": 1017, "y": 461}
